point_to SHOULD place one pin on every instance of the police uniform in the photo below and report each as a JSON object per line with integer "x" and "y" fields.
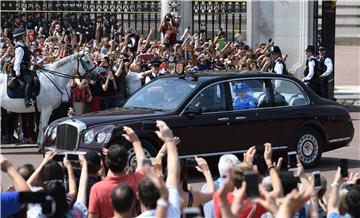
{"x": 325, "y": 69}
{"x": 278, "y": 65}
{"x": 311, "y": 72}
{"x": 22, "y": 65}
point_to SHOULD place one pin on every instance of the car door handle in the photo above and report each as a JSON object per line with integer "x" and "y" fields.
{"x": 223, "y": 119}
{"x": 240, "y": 118}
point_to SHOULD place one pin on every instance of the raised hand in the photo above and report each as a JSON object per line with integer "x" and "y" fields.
{"x": 164, "y": 133}
{"x": 130, "y": 135}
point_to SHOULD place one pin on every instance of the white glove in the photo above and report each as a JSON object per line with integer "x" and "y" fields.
{"x": 17, "y": 73}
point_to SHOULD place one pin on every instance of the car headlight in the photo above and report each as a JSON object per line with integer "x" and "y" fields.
{"x": 89, "y": 137}
{"x": 53, "y": 133}
{"x": 100, "y": 137}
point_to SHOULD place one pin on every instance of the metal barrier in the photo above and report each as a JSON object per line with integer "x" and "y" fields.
{"x": 137, "y": 14}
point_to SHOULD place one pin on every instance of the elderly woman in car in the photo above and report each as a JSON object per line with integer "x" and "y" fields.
{"x": 243, "y": 100}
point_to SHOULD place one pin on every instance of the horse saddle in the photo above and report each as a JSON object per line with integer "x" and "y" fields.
{"x": 16, "y": 87}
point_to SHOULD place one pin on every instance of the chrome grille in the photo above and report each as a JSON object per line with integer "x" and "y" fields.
{"x": 66, "y": 137}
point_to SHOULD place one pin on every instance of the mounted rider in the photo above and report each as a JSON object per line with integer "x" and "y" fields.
{"x": 22, "y": 64}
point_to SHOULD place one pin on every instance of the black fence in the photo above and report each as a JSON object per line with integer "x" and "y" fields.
{"x": 209, "y": 16}
{"x": 136, "y": 14}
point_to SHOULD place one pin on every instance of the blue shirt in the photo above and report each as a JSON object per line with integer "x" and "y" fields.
{"x": 9, "y": 203}
{"x": 245, "y": 103}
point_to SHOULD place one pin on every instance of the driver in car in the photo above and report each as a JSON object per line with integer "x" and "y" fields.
{"x": 243, "y": 100}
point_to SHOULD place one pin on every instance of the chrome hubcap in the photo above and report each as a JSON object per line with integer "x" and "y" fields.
{"x": 307, "y": 148}
{"x": 132, "y": 158}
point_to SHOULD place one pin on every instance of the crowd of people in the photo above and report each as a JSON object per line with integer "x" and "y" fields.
{"x": 102, "y": 185}
{"x": 127, "y": 60}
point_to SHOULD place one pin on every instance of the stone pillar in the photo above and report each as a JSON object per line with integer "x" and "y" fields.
{"x": 288, "y": 23}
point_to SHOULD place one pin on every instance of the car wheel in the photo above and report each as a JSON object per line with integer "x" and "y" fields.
{"x": 309, "y": 147}
{"x": 149, "y": 151}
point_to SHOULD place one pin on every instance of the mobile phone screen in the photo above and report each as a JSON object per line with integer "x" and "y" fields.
{"x": 292, "y": 160}
{"x": 317, "y": 179}
{"x": 344, "y": 167}
{"x": 252, "y": 185}
{"x": 59, "y": 157}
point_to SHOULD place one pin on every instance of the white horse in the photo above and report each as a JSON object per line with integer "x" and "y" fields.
{"x": 53, "y": 80}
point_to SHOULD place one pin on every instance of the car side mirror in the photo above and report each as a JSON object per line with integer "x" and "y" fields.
{"x": 193, "y": 110}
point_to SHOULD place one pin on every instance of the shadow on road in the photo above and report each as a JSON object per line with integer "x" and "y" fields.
{"x": 331, "y": 163}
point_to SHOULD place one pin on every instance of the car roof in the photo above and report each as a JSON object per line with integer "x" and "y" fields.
{"x": 224, "y": 75}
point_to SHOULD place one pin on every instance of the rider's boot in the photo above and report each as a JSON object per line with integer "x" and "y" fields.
{"x": 28, "y": 100}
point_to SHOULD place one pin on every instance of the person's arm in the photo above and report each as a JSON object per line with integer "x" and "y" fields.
{"x": 329, "y": 67}
{"x": 105, "y": 86}
{"x": 120, "y": 70}
{"x": 81, "y": 196}
{"x": 275, "y": 179}
{"x": 200, "y": 197}
{"x": 19, "y": 54}
{"x": 149, "y": 37}
{"x": 334, "y": 200}
{"x": 97, "y": 33}
{"x": 131, "y": 136}
{"x": 224, "y": 204}
{"x": 311, "y": 70}
{"x": 17, "y": 180}
{"x": 34, "y": 176}
{"x": 314, "y": 205}
{"x": 71, "y": 178}
{"x": 250, "y": 155}
{"x": 173, "y": 170}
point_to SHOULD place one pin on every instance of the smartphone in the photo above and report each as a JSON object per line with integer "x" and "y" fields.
{"x": 191, "y": 212}
{"x": 191, "y": 162}
{"x": 146, "y": 161}
{"x": 317, "y": 180}
{"x": 73, "y": 157}
{"x": 292, "y": 161}
{"x": 260, "y": 161}
{"x": 59, "y": 157}
{"x": 149, "y": 125}
{"x": 344, "y": 168}
{"x": 252, "y": 185}
{"x": 48, "y": 204}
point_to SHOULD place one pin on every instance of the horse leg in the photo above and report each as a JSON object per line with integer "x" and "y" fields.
{"x": 44, "y": 119}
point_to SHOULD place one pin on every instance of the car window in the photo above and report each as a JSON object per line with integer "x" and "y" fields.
{"x": 211, "y": 99}
{"x": 246, "y": 93}
{"x": 288, "y": 93}
{"x": 162, "y": 94}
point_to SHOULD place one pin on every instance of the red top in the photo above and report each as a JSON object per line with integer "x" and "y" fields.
{"x": 100, "y": 194}
{"x": 253, "y": 210}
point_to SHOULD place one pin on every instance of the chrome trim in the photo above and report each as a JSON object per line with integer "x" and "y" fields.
{"x": 227, "y": 152}
{"x": 60, "y": 151}
{"x": 339, "y": 139}
{"x": 77, "y": 124}
{"x": 250, "y": 78}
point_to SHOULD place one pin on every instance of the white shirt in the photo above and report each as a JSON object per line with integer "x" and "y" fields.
{"x": 133, "y": 80}
{"x": 311, "y": 66}
{"x": 19, "y": 54}
{"x": 173, "y": 210}
{"x": 329, "y": 67}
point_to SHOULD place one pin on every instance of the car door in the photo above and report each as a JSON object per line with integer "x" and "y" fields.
{"x": 208, "y": 132}
{"x": 257, "y": 124}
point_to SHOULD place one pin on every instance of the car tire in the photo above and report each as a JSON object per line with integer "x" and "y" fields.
{"x": 309, "y": 146}
{"x": 149, "y": 151}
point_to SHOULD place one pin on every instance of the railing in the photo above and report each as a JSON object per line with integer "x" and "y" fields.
{"x": 210, "y": 15}
{"x": 137, "y": 14}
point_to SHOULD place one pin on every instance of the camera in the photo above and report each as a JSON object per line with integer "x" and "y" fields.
{"x": 344, "y": 168}
{"x": 317, "y": 180}
{"x": 292, "y": 161}
{"x": 48, "y": 204}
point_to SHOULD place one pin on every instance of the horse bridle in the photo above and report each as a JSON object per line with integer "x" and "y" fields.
{"x": 59, "y": 74}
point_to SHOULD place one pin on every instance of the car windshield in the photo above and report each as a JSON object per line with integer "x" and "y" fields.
{"x": 163, "y": 94}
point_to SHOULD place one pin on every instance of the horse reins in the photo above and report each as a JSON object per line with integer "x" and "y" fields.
{"x": 59, "y": 74}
